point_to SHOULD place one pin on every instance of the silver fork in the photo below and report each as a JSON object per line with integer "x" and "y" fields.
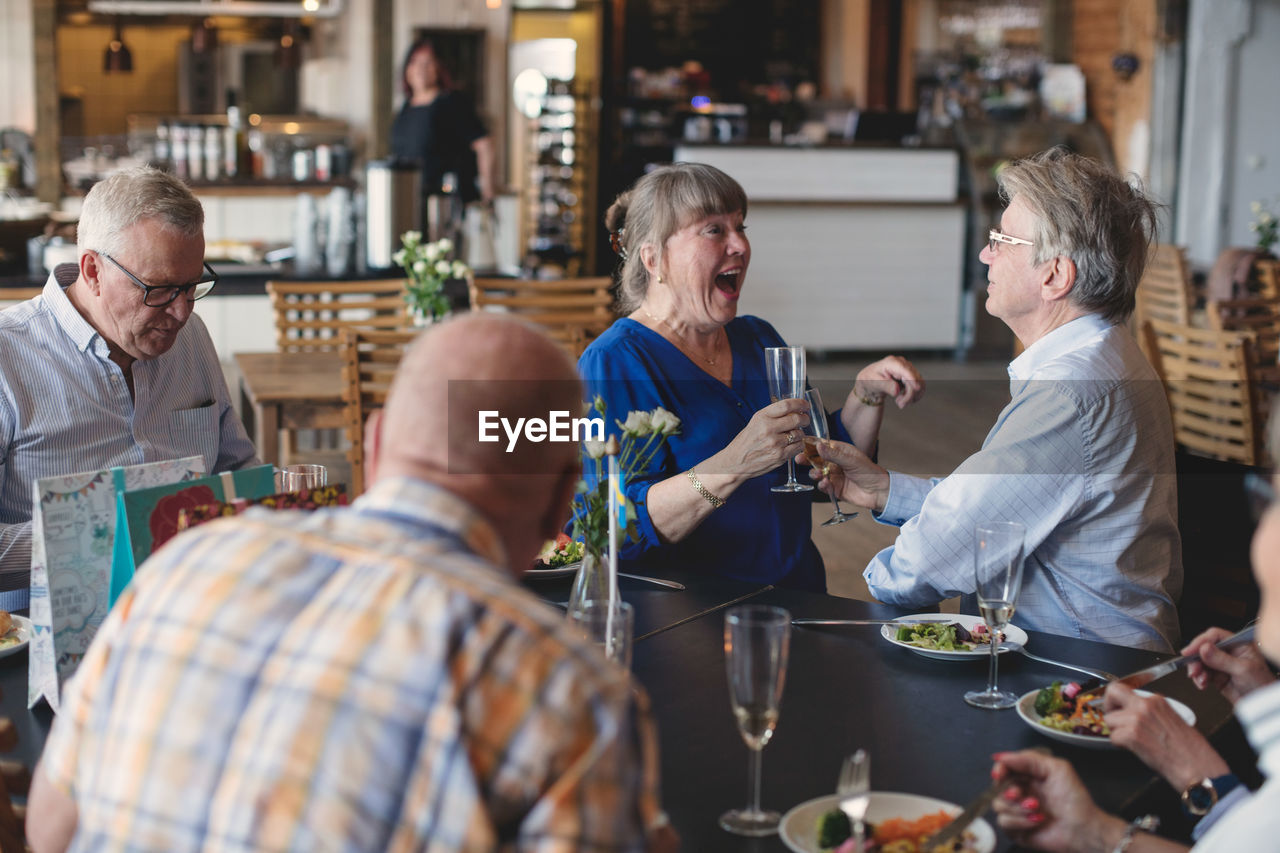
{"x": 1096, "y": 673}
{"x": 854, "y": 788}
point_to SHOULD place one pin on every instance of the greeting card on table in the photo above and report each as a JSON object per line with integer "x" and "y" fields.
{"x": 73, "y": 526}
{"x": 148, "y": 518}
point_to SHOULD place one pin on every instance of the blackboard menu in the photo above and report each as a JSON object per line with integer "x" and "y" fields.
{"x": 740, "y": 42}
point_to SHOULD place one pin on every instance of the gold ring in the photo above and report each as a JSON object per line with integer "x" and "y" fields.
{"x": 791, "y": 436}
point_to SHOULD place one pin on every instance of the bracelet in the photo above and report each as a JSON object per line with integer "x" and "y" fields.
{"x": 1147, "y": 823}
{"x": 873, "y": 401}
{"x": 715, "y": 502}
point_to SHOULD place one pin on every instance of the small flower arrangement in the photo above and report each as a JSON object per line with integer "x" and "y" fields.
{"x": 1265, "y": 225}
{"x": 643, "y": 435}
{"x": 428, "y": 266}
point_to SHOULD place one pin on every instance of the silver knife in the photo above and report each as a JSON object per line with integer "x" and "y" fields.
{"x": 976, "y": 808}
{"x": 658, "y": 581}
{"x": 803, "y": 622}
{"x": 1148, "y": 674}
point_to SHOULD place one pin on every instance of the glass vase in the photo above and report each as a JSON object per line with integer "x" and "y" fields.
{"x": 591, "y": 583}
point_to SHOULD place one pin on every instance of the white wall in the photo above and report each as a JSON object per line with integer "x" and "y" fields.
{"x": 18, "y": 59}
{"x": 1229, "y": 118}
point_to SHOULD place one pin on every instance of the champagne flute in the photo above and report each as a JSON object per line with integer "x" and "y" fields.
{"x": 756, "y": 641}
{"x": 785, "y": 367}
{"x": 997, "y": 565}
{"x": 818, "y": 430}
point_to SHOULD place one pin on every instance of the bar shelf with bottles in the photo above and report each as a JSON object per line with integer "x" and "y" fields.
{"x": 561, "y": 179}
{"x": 211, "y": 151}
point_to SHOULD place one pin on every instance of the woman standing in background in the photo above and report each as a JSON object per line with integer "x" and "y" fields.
{"x": 438, "y": 128}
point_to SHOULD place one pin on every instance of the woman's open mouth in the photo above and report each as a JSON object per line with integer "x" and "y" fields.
{"x": 728, "y": 283}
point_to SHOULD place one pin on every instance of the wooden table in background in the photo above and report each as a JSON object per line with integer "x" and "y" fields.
{"x": 288, "y": 390}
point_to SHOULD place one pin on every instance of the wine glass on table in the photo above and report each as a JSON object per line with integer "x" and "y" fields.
{"x": 785, "y": 368}
{"x": 756, "y": 642}
{"x": 817, "y": 431}
{"x": 997, "y": 564}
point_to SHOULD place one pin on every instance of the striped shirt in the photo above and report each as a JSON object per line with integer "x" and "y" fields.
{"x": 361, "y": 678}
{"x": 65, "y": 407}
{"x": 1082, "y": 456}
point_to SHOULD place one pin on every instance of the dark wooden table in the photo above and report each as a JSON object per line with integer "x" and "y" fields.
{"x": 848, "y": 688}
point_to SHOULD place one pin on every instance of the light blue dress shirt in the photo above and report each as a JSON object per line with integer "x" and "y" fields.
{"x": 1083, "y": 457}
{"x": 65, "y": 407}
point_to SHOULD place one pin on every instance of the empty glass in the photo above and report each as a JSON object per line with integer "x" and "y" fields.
{"x": 610, "y": 629}
{"x": 295, "y": 478}
{"x": 997, "y": 566}
{"x": 786, "y": 371}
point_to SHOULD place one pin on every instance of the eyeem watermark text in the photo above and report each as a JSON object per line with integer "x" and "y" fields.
{"x": 558, "y": 426}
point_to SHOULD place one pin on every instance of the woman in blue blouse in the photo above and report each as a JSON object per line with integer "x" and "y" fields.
{"x": 705, "y": 504}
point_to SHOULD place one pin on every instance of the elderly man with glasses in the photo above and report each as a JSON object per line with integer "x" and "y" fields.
{"x": 1082, "y": 455}
{"x": 107, "y": 366}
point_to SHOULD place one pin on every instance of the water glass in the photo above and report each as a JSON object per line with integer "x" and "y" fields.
{"x": 295, "y": 478}
{"x": 609, "y": 628}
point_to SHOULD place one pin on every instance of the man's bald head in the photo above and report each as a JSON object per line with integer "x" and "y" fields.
{"x": 430, "y": 428}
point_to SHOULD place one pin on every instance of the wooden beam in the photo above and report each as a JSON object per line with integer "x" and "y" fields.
{"x": 48, "y": 120}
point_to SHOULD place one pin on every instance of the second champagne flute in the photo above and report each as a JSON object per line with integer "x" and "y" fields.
{"x": 818, "y": 430}
{"x": 997, "y": 566}
{"x": 756, "y": 642}
{"x": 786, "y": 371}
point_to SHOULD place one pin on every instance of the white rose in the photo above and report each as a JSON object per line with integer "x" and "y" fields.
{"x": 638, "y": 423}
{"x": 460, "y": 269}
{"x": 411, "y": 238}
{"x": 664, "y": 422}
{"x": 443, "y": 268}
{"x": 420, "y": 267}
{"x": 432, "y": 252}
{"x": 595, "y": 449}
{"x": 1266, "y": 218}
{"x": 399, "y": 257}
{"x": 446, "y": 245}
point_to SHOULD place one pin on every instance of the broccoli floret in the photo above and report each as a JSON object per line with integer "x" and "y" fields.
{"x": 1049, "y": 699}
{"x": 833, "y": 829}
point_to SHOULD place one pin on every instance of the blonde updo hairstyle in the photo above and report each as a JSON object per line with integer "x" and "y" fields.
{"x": 657, "y": 206}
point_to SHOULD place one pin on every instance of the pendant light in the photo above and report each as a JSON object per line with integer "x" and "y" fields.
{"x": 117, "y": 57}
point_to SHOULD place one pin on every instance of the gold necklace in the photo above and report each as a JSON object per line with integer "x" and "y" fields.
{"x": 649, "y": 314}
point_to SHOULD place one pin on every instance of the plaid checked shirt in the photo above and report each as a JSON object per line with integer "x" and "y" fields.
{"x": 349, "y": 679}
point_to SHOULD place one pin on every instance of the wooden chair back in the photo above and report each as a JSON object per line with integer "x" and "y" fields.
{"x": 1267, "y": 272}
{"x": 1254, "y": 314}
{"x": 1164, "y": 293}
{"x": 310, "y": 315}
{"x": 1207, "y": 377}
{"x": 571, "y": 310}
{"x": 369, "y": 361}
{"x": 15, "y": 781}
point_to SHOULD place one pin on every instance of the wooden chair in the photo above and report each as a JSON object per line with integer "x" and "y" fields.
{"x": 1164, "y": 293}
{"x": 1213, "y": 400}
{"x": 1254, "y": 314}
{"x": 571, "y": 310}
{"x": 369, "y": 361}
{"x": 1267, "y": 272}
{"x": 15, "y": 781}
{"x": 310, "y": 314}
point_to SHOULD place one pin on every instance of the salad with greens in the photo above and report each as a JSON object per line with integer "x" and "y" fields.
{"x": 943, "y": 636}
{"x": 560, "y": 551}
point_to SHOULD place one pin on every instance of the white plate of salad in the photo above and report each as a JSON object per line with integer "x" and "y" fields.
{"x": 560, "y": 558}
{"x": 1066, "y": 717}
{"x": 895, "y": 813}
{"x": 946, "y": 636}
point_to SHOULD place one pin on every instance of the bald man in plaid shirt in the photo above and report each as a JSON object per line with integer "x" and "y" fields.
{"x": 369, "y": 677}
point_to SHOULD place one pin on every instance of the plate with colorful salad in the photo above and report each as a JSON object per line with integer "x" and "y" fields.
{"x": 1062, "y": 712}
{"x": 896, "y": 823}
{"x": 560, "y": 557}
{"x": 947, "y": 636}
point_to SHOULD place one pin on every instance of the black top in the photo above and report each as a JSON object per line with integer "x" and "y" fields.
{"x": 438, "y": 136}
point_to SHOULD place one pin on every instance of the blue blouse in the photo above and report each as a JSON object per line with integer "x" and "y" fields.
{"x": 758, "y": 535}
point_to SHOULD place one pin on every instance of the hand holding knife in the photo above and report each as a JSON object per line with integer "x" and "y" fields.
{"x": 1148, "y": 674}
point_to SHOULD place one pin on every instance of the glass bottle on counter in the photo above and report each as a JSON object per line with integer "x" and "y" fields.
{"x": 178, "y": 150}
{"x": 212, "y": 152}
{"x": 235, "y": 152}
{"x": 195, "y": 152}
{"x": 160, "y": 155}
